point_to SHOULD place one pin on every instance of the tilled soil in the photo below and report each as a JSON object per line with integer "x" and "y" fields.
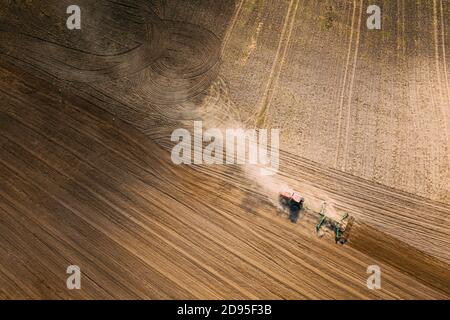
{"x": 87, "y": 177}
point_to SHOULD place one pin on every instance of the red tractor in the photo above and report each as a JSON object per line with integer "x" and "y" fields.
{"x": 293, "y": 202}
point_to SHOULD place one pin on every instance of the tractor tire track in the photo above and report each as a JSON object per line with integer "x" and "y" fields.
{"x": 444, "y": 53}
{"x": 352, "y": 80}
{"x": 443, "y": 110}
{"x": 230, "y": 29}
{"x": 344, "y": 85}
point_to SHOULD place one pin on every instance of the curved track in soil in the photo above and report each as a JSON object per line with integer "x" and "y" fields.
{"x": 183, "y": 55}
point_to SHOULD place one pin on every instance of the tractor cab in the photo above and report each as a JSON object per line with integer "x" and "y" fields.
{"x": 292, "y": 200}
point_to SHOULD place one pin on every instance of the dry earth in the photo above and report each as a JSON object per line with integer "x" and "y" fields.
{"x": 86, "y": 175}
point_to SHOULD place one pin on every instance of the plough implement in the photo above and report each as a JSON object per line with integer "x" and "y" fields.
{"x": 340, "y": 225}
